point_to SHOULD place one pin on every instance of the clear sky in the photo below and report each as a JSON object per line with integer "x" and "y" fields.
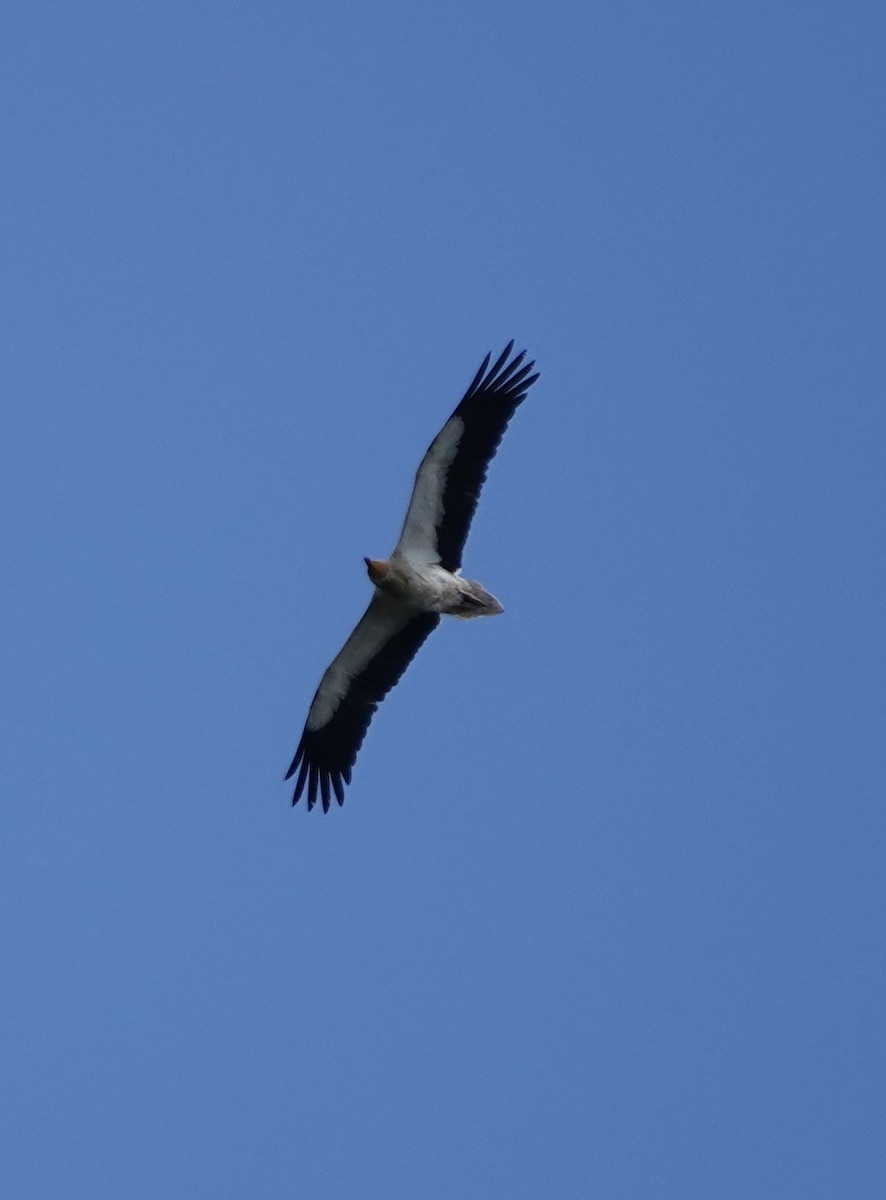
{"x": 603, "y": 914}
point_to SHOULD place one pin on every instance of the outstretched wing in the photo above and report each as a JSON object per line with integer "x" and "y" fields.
{"x": 451, "y": 474}
{"x": 369, "y": 664}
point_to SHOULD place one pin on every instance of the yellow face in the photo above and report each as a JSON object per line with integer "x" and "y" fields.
{"x": 376, "y": 569}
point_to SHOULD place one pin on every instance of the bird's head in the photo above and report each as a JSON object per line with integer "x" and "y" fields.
{"x": 376, "y": 569}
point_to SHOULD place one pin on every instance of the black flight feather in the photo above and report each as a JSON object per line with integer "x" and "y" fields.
{"x": 327, "y": 754}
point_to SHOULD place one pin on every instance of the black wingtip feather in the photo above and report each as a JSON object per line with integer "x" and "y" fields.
{"x": 486, "y": 408}
{"x": 498, "y": 375}
{"x": 312, "y": 786}
{"x": 298, "y": 756}
{"x": 480, "y": 373}
{"x": 508, "y": 374}
{"x": 302, "y": 775}
{"x": 327, "y": 754}
{"x": 501, "y": 360}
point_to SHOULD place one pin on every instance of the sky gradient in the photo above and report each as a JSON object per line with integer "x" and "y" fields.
{"x": 603, "y": 913}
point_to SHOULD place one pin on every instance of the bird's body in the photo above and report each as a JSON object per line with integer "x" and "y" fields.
{"x": 415, "y": 586}
{"x": 428, "y": 587}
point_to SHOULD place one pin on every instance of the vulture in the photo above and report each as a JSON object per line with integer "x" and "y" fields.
{"x": 418, "y": 583}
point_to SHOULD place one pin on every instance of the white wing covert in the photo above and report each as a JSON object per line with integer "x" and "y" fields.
{"x": 453, "y": 471}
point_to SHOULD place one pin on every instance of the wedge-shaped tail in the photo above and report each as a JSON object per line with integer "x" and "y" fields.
{"x": 475, "y": 601}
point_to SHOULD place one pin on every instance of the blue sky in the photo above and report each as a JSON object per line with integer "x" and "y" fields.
{"x": 603, "y": 914}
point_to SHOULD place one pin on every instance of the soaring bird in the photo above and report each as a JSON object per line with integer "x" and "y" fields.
{"x": 421, "y": 579}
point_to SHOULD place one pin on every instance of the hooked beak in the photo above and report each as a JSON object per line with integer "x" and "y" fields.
{"x": 376, "y": 569}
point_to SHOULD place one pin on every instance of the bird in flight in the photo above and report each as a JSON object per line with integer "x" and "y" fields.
{"x": 421, "y": 579}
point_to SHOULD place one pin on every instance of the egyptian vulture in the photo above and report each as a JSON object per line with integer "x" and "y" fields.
{"x": 420, "y": 580}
